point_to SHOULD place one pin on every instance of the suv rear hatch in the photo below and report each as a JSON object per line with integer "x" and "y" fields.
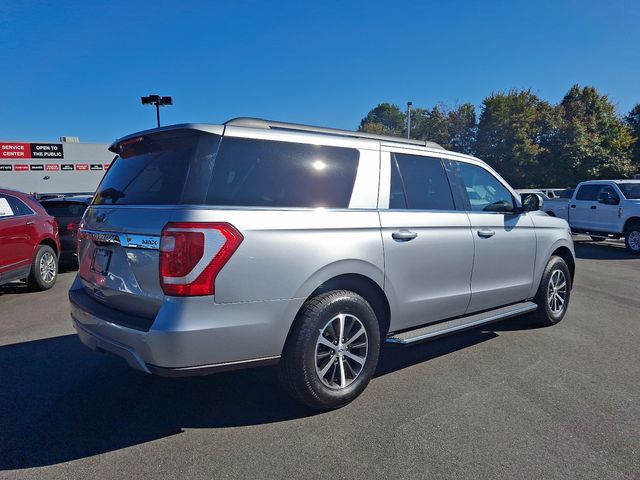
{"x": 150, "y": 184}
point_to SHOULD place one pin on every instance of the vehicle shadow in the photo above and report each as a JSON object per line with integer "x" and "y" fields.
{"x": 62, "y": 402}
{"x": 14, "y": 288}
{"x": 588, "y": 250}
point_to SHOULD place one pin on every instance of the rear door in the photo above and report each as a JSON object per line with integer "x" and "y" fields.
{"x": 582, "y": 208}
{"x": 504, "y": 240}
{"x": 428, "y": 246}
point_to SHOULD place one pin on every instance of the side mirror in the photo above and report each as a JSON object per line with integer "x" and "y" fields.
{"x": 531, "y": 202}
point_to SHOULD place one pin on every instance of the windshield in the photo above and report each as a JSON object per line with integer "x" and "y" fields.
{"x": 630, "y": 191}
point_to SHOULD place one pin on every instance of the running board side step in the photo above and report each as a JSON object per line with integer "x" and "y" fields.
{"x": 458, "y": 324}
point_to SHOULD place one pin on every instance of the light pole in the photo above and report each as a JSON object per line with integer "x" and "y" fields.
{"x": 158, "y": 101}
{"x": 409, "y": 119}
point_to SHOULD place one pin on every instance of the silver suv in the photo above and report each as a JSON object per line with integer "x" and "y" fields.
{"x": 213, "y": 247}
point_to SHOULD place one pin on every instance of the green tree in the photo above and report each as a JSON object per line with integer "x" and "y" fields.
{"x": 633, "y": 122}
{"x": 453, "y": 129}
{"x": 463, "y": 128}
{"x": 385, "y": 119}
{"x": 430, "y": 124}
{"x": 511, "y": 133}
{"x": 591, "y": 141}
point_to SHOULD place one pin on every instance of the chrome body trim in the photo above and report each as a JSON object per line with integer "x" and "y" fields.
{"x": 127, "y": 240}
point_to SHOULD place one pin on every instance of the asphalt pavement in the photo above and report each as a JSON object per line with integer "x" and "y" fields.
{"x": 510, "y": 401}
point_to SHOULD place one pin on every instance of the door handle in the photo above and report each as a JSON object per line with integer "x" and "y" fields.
{"x": 486, "y": 233}
{"x": 593, "y": 207}
{"x": 573, "y": 206}
{"x": 404, "y": 235}
{"x": 30, "y": 222}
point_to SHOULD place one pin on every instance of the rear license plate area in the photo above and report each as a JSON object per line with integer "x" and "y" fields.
{"x": 100, "y": 261}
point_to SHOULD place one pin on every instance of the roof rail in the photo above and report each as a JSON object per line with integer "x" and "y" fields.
{"x": 269, "y": 124}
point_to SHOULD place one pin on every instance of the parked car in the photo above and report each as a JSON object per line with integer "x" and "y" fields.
{"x": 552, "y": 192}
{"x": 29, "y": 244}
{"x": 213, "y": 247}
{"x": 543, "y": 196}
{"x": 603, "y": 209}
{"x": 68, "y": 212}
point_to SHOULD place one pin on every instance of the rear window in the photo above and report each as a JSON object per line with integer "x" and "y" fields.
{"x": 189, "y": 167}
{"x": 65, "y": 209}
{"x": 158, "y": 169}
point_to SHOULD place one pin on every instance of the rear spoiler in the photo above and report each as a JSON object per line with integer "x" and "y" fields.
{"x": 203, "y": 127}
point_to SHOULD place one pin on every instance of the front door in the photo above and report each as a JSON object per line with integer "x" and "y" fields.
{"x": 504, "y": 241}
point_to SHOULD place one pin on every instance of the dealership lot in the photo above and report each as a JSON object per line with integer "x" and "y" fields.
{"x": 507, "y": 401}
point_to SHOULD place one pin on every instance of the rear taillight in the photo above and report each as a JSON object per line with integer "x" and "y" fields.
{"x": 72, "y": 226}
{"x": 192, "y": 254}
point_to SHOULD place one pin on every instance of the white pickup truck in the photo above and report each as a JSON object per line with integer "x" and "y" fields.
{"x": 603, "y": 209}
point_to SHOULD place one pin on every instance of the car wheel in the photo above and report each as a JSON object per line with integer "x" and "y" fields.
{"x": 332, "y": 351}
{"x": 44, "y": 269}
{"x": 554, "y": 292}
{"x": 632, "y": 238}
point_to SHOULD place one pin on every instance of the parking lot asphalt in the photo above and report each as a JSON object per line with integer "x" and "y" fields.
{"x": 510, "y": 400}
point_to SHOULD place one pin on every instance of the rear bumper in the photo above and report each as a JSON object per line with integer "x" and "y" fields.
{"x": 189, "y": 336}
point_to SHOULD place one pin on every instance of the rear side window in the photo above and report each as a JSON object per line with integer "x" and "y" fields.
{"x": 5, "y": 208}
{"x": 588, "y": 192}
{"x": 261, "y": 173}
{"x": 13, "y": 207}
{"x": 419, "y": 183}
{"x": 630, "y": 190}
{"x": 164, "y": 168}
{"x": 64, "y": 209}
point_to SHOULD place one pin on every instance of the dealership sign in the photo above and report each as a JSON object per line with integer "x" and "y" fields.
{"x": 17, "y": 150}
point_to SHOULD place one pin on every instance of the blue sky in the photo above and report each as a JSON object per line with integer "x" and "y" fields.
{"x": 79, "y": 68}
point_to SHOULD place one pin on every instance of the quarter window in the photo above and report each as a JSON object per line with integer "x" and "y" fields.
{"x": 419, "y": 183}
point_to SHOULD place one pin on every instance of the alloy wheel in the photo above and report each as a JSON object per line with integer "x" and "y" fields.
{"x": 557, "y": 292}
{"x": 341, "y": 351}
{"x": 47, "y": 267}
{"x": 633, "y": 240}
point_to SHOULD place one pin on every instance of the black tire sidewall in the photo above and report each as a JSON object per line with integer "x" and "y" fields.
{"x": 319, "y": 395}
{"x": 35, "y": 278}
{"x": 545, "y": 313}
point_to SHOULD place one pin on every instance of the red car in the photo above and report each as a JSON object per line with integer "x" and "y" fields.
{"x": 29, "y": 244}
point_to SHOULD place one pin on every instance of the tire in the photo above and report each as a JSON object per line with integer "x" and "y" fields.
{"x": 549, "y": 310}
{"x": 308, "y": 370}
{"x": 632, "y": 238}
{"x": 44, "y": 269}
